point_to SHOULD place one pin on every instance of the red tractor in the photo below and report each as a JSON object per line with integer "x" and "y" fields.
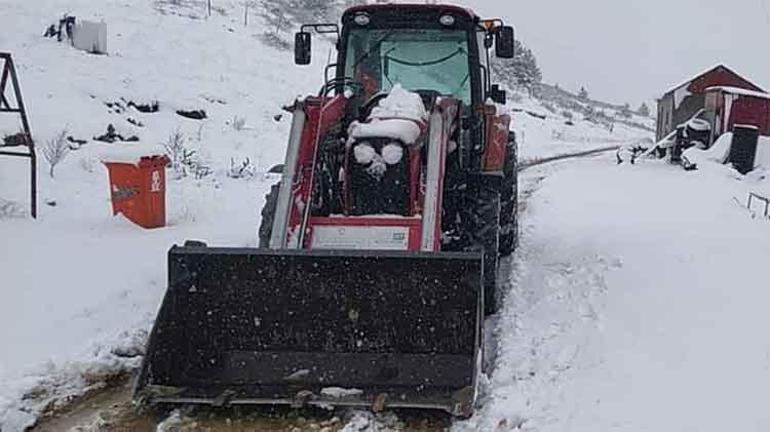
{"x": 379, "y": 248}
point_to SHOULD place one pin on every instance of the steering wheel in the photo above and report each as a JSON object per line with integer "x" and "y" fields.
{"x": 366, "y": 107}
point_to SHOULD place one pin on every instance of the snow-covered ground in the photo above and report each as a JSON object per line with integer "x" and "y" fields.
{"x": 639, "y": 303}
{"x": 79, "y": 288}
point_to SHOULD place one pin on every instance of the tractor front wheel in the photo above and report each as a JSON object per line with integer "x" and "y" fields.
{"x": 268, "y": 215}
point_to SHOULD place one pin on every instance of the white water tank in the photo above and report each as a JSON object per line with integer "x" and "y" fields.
{"x": 90, "y": 36}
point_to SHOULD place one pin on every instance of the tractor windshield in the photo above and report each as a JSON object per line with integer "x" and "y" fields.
{"x": 418, "y": 59}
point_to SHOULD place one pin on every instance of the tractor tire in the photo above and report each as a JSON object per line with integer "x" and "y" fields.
{"x": 509, "y": 201}
{"x": 268, "y": 215}
{"x": 482, "y": 217}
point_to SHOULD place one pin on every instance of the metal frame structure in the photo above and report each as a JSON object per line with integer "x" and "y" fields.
{"x": 9, "y": 71}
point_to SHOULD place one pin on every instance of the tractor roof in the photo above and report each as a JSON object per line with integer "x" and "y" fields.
{"x": 411, "y": 7}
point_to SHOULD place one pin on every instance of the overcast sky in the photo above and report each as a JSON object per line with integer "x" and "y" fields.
{"x": 623, "y": 50}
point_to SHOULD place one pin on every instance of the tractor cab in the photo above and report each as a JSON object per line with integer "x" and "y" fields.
{"x": 428, "y": 49}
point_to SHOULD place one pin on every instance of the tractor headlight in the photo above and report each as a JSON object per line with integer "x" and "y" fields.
{"x": 447, "y": 20}
{"x": 362, "y": 19}
{"x": 392, "y": 153}
{"x": 364, "y": 153}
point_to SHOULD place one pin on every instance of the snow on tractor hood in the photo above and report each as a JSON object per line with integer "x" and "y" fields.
{"x": 399, "y": 116}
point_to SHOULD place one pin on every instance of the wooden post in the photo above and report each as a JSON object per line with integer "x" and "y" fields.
{"x": 209, "y": 7}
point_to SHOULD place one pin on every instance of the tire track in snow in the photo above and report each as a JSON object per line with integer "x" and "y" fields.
{"x": 552, "y": 311}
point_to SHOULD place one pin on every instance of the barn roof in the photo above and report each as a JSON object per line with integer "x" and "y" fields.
{"x": 739, "y": 91}
{"x": 735, "y": 80}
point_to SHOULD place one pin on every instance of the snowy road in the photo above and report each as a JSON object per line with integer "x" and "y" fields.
{"x": 639, "y": 304}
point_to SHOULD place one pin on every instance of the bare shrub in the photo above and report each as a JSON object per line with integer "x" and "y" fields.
{"x": 184, "y": 161}
{"x": 55, "y": 150}
{"x": 10, "y": 209}
{"x": 240, "y": 169}
{"x": 239, "y": 123}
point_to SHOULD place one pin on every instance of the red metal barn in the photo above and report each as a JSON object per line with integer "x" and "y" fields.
{"x": 682, "y": 102}
{"x": 728, "y": 106}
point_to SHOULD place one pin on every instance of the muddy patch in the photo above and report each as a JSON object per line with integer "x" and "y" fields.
{"x": 111, "y": 409}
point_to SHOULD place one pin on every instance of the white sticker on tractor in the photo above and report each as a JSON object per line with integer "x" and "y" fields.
{"x": 360, "y": 237}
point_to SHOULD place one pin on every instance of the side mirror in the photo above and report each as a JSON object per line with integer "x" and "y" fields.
{"x": 497, "y": 95}
{"x": 302, "y": 48}
{"x": 504, "y": 42}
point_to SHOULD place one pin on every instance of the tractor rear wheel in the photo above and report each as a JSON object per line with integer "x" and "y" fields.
{"x": 268, "y": 215}
{"x": 509, "y": 218}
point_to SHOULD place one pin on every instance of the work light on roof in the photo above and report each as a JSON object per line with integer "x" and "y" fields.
{"x": 447, "y": 20}
{"x": 362, "y": 19}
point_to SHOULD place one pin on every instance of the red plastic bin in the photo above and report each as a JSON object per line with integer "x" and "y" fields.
{"x": 138, "y": 190}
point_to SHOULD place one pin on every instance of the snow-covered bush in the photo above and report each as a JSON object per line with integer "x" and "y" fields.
{"x": 184, "y": 161}
{"x": 55, "y": 150}
{"x": 643, "y": 110}
{"x": 240, "y": 169}
{"x": 239, "y": 123}
{"x": 10, "y": 209}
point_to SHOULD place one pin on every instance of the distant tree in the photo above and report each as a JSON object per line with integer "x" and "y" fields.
{"x": 625, "y": 111}
{"x": 643, "y": 110}
{"x": 583, "y": 94}
{"x": 521, "y": 72}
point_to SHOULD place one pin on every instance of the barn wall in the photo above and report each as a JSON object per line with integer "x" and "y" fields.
{"x": 665, "y": 116}
{"x": 751, "y": 111}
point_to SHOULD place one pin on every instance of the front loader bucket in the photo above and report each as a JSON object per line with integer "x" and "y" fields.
{"x": 346, "y": 328}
